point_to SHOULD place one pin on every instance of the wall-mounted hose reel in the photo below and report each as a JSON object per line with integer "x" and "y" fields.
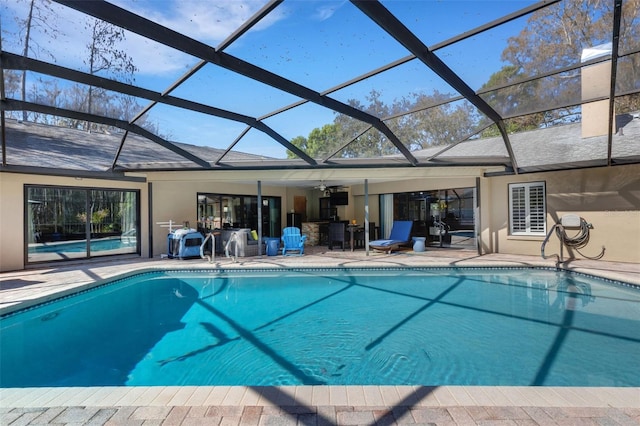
{"x": 579, "y": 240}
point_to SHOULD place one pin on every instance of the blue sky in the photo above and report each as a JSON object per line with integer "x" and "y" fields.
{"x": 316, "y": 43}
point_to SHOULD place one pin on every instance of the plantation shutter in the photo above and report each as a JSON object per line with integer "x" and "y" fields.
{"x": 518, "y": 210}
{"x": 527, "y": 209}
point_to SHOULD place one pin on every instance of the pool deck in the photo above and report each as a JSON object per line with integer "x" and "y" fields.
{"x": 321, "y": 405}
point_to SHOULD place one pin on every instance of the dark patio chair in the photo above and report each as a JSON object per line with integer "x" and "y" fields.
{"x": 339, "y": 234}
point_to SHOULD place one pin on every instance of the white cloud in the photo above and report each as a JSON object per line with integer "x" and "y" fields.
{"x": 207, "y": 21}
{"x": 326, "y": 11}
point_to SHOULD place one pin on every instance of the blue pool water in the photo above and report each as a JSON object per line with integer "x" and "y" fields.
{"x": 331, "y": 327}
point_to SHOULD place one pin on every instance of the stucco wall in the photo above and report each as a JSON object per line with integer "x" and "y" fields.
{"x": 11, "y": 223}
{"x": 174, "y": 197}
{"x": 608, "y": 198}
{"x": 12, "y": 210}
{"x": 374, "y": 209}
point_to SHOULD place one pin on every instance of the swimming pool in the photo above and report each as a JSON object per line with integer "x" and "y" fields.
{"x": 419, "y": 326}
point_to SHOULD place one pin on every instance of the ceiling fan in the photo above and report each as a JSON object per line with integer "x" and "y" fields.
{"x": 328, "y": 189}
{"x": 321, "y": 187}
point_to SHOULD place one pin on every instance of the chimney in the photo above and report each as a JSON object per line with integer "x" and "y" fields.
{"x": 596, "y": 83}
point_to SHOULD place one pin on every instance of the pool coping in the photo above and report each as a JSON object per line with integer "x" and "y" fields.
{"x": 318, "y": 396}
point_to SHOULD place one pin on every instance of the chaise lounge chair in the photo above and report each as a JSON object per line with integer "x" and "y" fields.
{"x": 400, "y": 234}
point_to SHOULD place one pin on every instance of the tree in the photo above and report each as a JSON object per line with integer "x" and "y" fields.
{"x": 300, "y": 142}
{"x": 39, "y": 16}
{"x": 103, "y": 56}
{"x": 628, "y": 74}
{"x": 322, "y": 141}
{"x": 319, "y": 143}
{"x": 555, "y": 37}
{"x": 371, "y": 143}
{"x": 11, "y": 82}
{"x": 421, "y": 121}
{"x": 74, "y": 98}
{"x": 436, "y": 121}
{"x": 45, "y": 92}
{"x": 512, "y": 101}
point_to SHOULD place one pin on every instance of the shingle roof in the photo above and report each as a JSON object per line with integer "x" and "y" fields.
{"x": 39, "y": 145}
{"x": 560, "y": 146}
{"x": 554, "y": 147}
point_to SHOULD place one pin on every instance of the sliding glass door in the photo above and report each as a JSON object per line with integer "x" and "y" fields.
{"x": 443, "y": 216}
{"x": 74, "y": 223}
{"x": 222, "y": 211}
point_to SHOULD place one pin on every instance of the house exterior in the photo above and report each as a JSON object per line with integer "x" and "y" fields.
{"x": 120, "y": 186}
{"x": 605, "y": 196}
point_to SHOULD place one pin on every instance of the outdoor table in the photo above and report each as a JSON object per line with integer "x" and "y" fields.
{"x": 353, "y": 227}
{"x": 418, "y": 243}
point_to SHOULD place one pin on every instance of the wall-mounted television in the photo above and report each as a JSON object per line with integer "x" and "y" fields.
{"x": 339, "y": 198}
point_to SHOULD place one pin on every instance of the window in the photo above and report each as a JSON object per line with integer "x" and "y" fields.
{"x": 527, "y": 208}
{"x": 220, "y": 211}
{"x": 76, "y": 223}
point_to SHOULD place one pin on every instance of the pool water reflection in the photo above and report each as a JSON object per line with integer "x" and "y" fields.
{"x": 59, "y": 250}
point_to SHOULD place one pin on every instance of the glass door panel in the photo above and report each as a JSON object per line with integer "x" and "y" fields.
{"x": 113, "y": 222}
{"x": 55, "y": 226}
{"x": 217, "y": 211}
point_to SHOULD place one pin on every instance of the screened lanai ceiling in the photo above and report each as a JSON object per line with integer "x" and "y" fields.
{"x": 181, "y": 84}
